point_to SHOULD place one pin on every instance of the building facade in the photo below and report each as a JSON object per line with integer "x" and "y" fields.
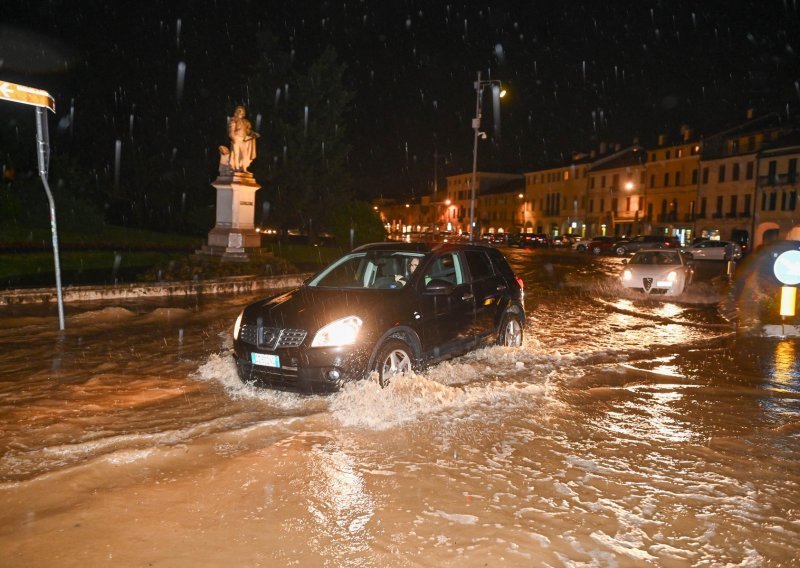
{"x": 740, "y": 184}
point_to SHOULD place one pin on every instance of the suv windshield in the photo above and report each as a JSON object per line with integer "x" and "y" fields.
{"x": 370, "y": 269}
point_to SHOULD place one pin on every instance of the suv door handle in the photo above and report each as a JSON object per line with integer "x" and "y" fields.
{"x": 502, "y": 287}
{"x": 468, "y": 296}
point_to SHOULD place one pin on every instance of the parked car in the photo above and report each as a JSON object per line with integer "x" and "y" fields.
{"x": 529, "y": 240}
{"x": 494, "y": 238}
{"x": 600, "y": 245}
{"x": 371, "y": 310}
{"x": 639, "y": 242}
{"x": 658, "y": 271}
{"x": 715, "y": 250}
{"x": 580, "y": 244}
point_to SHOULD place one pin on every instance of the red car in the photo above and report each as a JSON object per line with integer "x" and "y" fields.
{"x": 600, "y": 245}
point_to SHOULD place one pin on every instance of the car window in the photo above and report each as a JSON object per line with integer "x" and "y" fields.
{"x": 369, "y": 269}
{"x": 500, "y": 264}
{"x": 447, "y": 268}
{"x": 480, "y": 266}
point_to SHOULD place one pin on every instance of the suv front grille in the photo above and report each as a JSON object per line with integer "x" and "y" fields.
{"x": 272, "y": 337}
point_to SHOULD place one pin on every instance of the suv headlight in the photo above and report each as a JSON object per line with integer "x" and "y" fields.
{"x": 627, "y": 274}
{"x": 237, "y": 327}
{"x": 340, "y": 332}
{"x": 672, "y": 276}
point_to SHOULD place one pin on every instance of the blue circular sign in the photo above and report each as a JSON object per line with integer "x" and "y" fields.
{"x": 787, "y": 267}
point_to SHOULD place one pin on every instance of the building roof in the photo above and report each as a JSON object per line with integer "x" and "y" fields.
{"x": 512, "y": 186}
{"x": 630, "y": 156}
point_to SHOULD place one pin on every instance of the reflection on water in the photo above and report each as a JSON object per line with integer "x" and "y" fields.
{"x": 784, "y": 372}
{"x": 669, "y": 310}
{"x": 340, "y": 489}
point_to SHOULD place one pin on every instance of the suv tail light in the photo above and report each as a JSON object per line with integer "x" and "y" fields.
{"x": 519, "y": 281}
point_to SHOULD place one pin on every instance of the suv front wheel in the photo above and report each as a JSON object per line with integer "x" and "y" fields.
{"x": 394, "y": 357}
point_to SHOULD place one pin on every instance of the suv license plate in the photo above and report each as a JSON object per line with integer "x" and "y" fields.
{"x": 265, "y": 360}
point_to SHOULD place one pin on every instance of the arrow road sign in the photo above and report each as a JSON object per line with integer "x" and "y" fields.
{"x": 26, "y": 95}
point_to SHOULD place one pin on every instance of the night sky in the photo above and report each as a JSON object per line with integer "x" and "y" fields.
{"x": 577, "y": 74}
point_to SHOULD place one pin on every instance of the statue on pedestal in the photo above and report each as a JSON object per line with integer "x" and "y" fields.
{"x": 243, "y": 141}
{"x": 234, "y": 232}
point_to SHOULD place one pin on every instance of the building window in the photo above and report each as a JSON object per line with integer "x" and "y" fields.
{"x": 749, "y": 172}
{"x": 792, "y": 200}
{"x": 602, "y": 205}
{"x": 614, "y": 205}
{"x": 734, "y": 205}
{"x": 703, "y": 203}
{"x": 746, "y": 210}
{"x": 694, "y": 177}
{"x": 677, "y": 178}
{"x": 773, "y": 197}
{"x": 735, "y": 175}
{"x": 652, "y": 180}
{"x": 566, "y": 175}
{"x": 705, "y": 175}
{"x": 591, "y": 205}
{"x": 669, "y": 155}
{"x": 721, "y": 175}
{"x": 602, "y": 181}
{"x": 791, "y": 175}
{"x": 773, "y": 171}
{"x": 615, "y": 182}
{"x": 666, "y": 179}
{"x": 783, "y": 201}
{"x": 591, "y": 182}
{"x": 641, "y": 178}
{"x": 718, "y": 211}
{"x": 679, "y": 153}
{"x": 653, "y": 157}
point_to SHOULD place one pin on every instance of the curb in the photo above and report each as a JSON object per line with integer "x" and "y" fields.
{"x": 232, "y": 285}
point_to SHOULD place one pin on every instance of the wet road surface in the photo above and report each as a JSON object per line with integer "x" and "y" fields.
{"x": 626, "y": 431}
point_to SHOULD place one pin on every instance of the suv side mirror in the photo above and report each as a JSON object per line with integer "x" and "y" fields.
{"x": 438, "y": 287}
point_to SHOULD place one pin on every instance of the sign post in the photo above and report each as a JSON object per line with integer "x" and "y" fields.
{"x": 41, "y": 100}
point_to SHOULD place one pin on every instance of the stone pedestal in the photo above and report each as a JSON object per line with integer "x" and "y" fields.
{"x": 234, "y": 231}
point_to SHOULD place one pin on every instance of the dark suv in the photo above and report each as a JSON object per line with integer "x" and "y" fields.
{"x": 628, "y": 246}
{"x": 385, "y": 307}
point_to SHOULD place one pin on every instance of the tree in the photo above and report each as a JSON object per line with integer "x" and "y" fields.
{"x": 359, "y": 217}
{"x": 303, "y": 152}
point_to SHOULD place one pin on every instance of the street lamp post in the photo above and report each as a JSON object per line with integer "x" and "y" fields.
{"x": 476, "y": 127}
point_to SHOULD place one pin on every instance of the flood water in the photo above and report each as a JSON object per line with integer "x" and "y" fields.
{"x": 624, "y": 432}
